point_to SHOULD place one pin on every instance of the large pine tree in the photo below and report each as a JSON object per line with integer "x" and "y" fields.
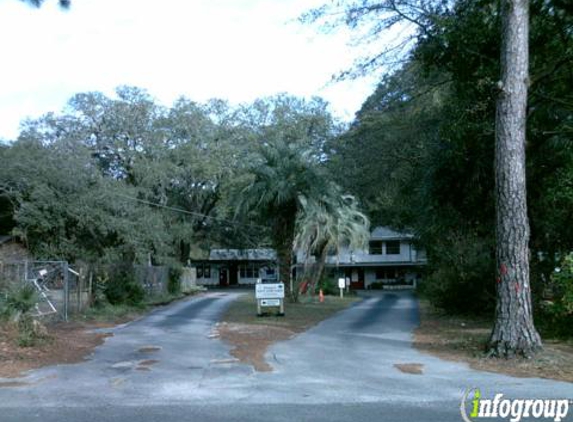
{"x": 514, "y": 332}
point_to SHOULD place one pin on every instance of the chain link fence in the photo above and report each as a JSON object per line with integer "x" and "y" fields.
{"x": 63, "y": 290}
{"x": 56, "y": 284}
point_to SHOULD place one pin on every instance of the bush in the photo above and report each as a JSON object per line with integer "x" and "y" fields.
{"x": 556, "y": 315}
{"x": 174, "y": 282}
{"x": 17, "y": 303}
{"x": 461, "y": 279}
{"x": 20, "y": 299}
{"x": 26, "y": 333}
{"x": 562, "y": 281}
{"x": 326, "y": 284}
{"x": 122, "y": 288}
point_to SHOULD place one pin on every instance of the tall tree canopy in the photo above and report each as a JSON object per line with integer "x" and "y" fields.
{"x": 123, "y": 178}
{"x": 431, "y": 127}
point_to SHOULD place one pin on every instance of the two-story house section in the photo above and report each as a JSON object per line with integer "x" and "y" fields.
{"x": 391, "y": 259}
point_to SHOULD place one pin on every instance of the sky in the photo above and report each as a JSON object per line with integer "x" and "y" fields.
{"x": 237, "y": 50}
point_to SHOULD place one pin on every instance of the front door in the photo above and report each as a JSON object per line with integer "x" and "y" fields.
{"x": 356, "y": 276}
{"x": 233, "y": 274}
{"x": 223, "y": 276}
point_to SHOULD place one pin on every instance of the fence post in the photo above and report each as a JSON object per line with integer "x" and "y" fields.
{"x": 79, "y": 287}
{"x": 66, "y": 289}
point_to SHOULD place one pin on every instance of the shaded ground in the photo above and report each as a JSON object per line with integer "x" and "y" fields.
{"x": 463, "y": 340}
{"x": 70, "y": 342}
{"x": 250, "y": 335}
{"x": 67, "y": 343}
{"x": 359, "y": 365}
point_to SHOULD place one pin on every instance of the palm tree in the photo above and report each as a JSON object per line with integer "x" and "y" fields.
{"x": 326, "y": 224}
{"x": 282, "y": 178}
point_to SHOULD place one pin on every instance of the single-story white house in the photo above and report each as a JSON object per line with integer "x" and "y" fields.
{"x": 231, "y": 267}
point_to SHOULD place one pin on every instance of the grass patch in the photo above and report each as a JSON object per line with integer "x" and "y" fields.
{"x": 464, "y": 339}
{"x": 250, "y": 335}
{"x": 298, "y": 317}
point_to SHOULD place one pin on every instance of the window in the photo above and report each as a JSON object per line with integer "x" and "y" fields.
{"x": 203, "y": 271}
{"x": 385, "y": 273}
{"x": 249, "y": 271}
{"x": 393, "y": 247}
{"x": 375, "y": 247}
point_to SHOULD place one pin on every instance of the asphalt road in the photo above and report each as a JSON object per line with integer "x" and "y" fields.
{"x": 168, "y": 366}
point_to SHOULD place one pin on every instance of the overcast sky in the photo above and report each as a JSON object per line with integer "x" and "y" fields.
{"x": 232, "y": 49}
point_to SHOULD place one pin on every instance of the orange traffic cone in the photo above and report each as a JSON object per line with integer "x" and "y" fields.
{"x": 320, "y": 296}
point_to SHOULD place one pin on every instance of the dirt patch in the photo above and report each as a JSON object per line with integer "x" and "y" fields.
{"x": 12, "y": 384}
{"x": 250, "y": 336}
{"x": 410, "y": 368}
{"x": 66, "y": 343}
{"x": 149, "y": 349}
{"x": 250, "y": 342}
{"x": 148, "y": 362}
{"x": 464, "y": 339}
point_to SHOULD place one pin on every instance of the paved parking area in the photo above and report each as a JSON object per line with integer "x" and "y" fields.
{"x": 169, "y": 365}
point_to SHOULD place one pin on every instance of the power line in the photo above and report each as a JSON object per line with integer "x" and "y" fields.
{"x": 180, "y": 210}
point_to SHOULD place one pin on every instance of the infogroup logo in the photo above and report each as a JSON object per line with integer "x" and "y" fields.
{"x": 474, "y": 407}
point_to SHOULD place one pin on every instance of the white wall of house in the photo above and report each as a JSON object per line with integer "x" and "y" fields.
{"x": 212, "y": 280}
{"x": 408, "y": 253}
{"x": 246, "y": 280}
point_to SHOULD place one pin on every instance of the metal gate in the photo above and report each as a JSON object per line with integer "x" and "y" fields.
{"x": 60, "y": 289}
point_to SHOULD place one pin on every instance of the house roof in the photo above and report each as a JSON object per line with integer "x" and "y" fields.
{"x": 386, "y": 233}
{"x": 242, "y": 255}
{"x": 5, "y": 238}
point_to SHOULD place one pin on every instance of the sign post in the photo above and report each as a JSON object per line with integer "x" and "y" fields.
{"x": 270, "y": 295}
{"x": 341, "y": 286}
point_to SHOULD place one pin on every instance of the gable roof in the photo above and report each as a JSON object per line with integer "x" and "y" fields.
{"x": 5, "y": 238}
{"x": 386, "y": 233}
{"x": 242, "y": 255}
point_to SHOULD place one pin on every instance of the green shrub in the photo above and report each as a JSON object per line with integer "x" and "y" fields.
{"x": 26, "y": 333}
{"x": 461, "y": 279}
{"x": 122, "y": 288}
{"x": 99, "y": 298}
{"x": 17, "y": 304}
{"x": 555, "y": 316}
{"x": 174, "y": 282}
{"x": 562, "y": 281}
{"x": 377, "y": 285}
{"x": 21, "y": 299}
{"x": 326, "y": 284}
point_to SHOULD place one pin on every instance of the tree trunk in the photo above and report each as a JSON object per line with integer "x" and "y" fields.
{"x": 284, "y": 239}
{"x": 514, "y": 332}
{"x": 320, "y": 264}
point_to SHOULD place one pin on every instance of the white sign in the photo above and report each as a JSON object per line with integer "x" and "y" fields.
{"x": 270, "y": 291}
{"x": 341, "y": 283}
{"x": 270, "y": 302}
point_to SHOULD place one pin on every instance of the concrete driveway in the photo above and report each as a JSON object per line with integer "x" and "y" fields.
{"x": 168, "y": 366}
